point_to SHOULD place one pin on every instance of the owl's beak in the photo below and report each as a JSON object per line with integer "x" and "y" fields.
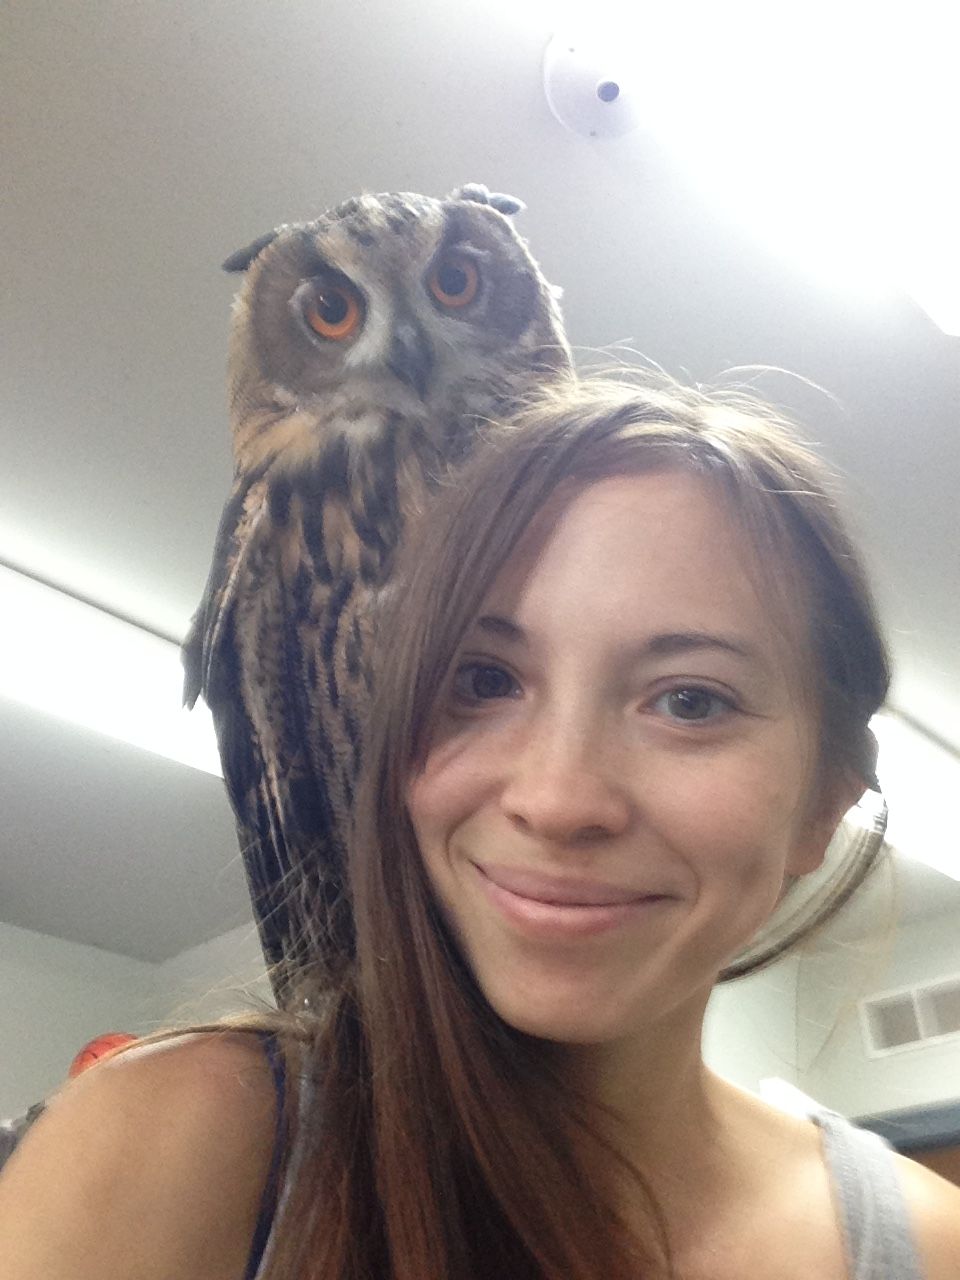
{"x": 411, "y": 357}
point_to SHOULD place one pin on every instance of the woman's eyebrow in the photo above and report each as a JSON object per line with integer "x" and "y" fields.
{"x": 682, "y": 641}
{"x": 663, "y": 645}
{"x": 502, "y": 628}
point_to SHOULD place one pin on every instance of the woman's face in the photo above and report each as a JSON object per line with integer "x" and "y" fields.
{"x": 624, "y": 724}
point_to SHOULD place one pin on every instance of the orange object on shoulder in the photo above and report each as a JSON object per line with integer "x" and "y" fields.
{"x": 98, "y": 1048}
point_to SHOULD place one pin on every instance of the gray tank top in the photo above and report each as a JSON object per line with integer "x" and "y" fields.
{"x": 877, "y": 1231}
{"x": 878, "y": 1235}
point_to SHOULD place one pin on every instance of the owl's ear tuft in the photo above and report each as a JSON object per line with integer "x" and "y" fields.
{"x": 242, "y": 259}
{"x": 480, "y": 194}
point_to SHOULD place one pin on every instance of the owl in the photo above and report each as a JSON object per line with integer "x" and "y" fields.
{"x": 367, "y": 349}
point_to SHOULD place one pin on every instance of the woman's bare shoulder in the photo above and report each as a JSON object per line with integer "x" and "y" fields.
{"x": 189, "y": 1060}
{"x": 934, "y": 1205}
{"x": 150, "y": 1164}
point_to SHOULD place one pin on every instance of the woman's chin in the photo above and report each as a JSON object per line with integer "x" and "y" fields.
{"x": 560, "y": 1022}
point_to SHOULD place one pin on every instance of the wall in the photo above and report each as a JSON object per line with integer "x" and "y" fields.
{"x": 749, "y": 1031}
{"x": 799, "y": 1020}
{"x": 835, "y": 1067}
{"x": 224, "y": 975}
{"x": 56, "y": 995}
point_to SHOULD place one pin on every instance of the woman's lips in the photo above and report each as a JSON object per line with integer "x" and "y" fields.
{"x": 551, "y": 920}
{"x": 570, "y": 891}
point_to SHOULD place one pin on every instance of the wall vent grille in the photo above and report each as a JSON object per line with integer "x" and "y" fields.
{"x": 911, "y": 1017}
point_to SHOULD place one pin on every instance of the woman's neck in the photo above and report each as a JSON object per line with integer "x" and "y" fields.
{"x": 698, "y": 1139}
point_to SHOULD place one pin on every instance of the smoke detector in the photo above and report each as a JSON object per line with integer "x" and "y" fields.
{"x": 588, "y": 89}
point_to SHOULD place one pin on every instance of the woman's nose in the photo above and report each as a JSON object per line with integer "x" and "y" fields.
{"x": 562, "y": 785}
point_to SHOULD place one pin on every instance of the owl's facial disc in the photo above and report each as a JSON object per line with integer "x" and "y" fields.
{"x": 396, "y": 301}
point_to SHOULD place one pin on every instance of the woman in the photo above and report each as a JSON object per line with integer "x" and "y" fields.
{"x": 622, "y": 706}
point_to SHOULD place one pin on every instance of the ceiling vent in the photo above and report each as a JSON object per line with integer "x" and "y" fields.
{"x": 911, "y": 1017}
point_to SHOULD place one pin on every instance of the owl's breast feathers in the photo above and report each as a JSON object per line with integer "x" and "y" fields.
{"x": 279, "y": 650}
{"x": 278, "y": 647}
{"x": 310, "y": 508}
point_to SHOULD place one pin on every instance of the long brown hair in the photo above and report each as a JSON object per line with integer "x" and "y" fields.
{"x": 424, "y": 1137}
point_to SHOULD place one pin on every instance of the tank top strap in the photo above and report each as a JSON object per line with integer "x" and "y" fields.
{"x": 268, "y": 1201}
{"x": 879, "y": 1236}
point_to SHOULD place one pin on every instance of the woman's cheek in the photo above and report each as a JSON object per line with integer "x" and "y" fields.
{"x": 721, "y": 808}
{"x": 453, "y": 780}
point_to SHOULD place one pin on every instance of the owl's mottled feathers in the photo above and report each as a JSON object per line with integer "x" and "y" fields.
{"x": 367, "y": 346}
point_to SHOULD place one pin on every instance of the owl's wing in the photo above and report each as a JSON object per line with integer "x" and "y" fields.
{"x": 209, "y": 654}
{"x": 211, "y": 660}
{"x": 250, "y": 653}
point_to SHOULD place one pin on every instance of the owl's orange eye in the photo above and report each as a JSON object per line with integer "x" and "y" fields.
{"x": 334, "y": 311}
{"x": 454, "y": 280}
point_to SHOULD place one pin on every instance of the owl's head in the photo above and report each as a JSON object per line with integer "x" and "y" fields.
{"x": 397, "y": 301}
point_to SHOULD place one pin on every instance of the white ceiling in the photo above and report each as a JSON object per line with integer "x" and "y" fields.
{"x": 142, "y": 144}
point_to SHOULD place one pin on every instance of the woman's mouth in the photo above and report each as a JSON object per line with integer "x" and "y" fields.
{"x": 555, "y": 920}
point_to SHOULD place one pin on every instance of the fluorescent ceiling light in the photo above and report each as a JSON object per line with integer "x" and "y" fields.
{"x": 920, "y": 781}
{"x": 930, "y": 259}
{"x": 829, "y": 128}
{"x": 940, "y": 302}
{"x": 71, "y": 660}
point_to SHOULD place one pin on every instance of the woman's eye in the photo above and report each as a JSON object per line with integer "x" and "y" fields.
{"x": 692, "y": 703}
{"x": 480, "y": 681}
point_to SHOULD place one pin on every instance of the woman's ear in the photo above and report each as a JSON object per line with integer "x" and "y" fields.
{"x": 820, "y": 825}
